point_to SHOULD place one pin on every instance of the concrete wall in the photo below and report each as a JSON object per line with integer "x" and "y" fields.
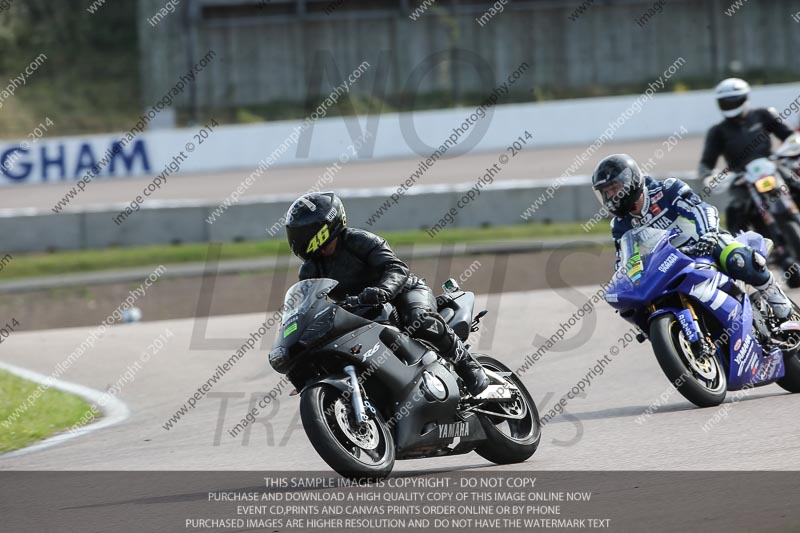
{"x": 423, "y": 206}
{"x": 557, "y": 123}
{"x": 264, "y": 57}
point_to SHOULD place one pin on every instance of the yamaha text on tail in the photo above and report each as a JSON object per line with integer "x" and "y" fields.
{"x": 370, "y": 394}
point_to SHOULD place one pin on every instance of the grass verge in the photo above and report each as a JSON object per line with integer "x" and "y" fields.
{"x": 44, "y": 264}
{"x": 52, "y": 412}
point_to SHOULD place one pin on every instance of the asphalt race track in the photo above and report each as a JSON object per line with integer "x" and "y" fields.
{"x": 603, "y": 429}
{"x": 539, "y": 163}
{"x": 598, "y": 432}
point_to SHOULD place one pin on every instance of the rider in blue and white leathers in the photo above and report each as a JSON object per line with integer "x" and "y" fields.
{"x": 636, "y": 200}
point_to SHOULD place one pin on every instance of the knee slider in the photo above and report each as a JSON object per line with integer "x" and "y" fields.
{"x": 414, "y": 318}
{"x": 426, "y": 324}
{"x": 746, "y": 264}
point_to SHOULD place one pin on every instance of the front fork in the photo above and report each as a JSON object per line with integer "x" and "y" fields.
{"x": 690, "y": 324}
{"x": 360, "y": 406}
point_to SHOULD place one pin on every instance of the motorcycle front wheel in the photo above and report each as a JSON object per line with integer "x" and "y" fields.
{"x": 700, "y": 380}
{"x": 355, "y": 451}
{"x": 513, "y": 436}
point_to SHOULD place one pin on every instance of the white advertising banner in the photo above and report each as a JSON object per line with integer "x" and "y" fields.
{"x": 214, "y": 148}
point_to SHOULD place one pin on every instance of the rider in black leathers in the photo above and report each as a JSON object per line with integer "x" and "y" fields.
{"x": 368, "y": 272}
{"x": 743, "y": 136}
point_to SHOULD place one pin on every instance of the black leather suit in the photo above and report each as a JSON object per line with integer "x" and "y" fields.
{"x": 363, "y": 259}
{"x": 741, "y": 140}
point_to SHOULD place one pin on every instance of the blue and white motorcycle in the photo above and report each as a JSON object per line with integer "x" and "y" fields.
{"x": 710, "y": 333}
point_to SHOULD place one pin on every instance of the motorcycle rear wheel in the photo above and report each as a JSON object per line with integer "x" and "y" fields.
{"x": 354, "y": 451}
{"x": 791, "y": 234}
{"x": 670, "y": 347}
{"x": 524, "y": 434}
{"x": 791, "y": 378}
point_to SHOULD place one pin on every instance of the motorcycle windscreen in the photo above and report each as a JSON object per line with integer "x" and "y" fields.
{"x": 635, "y": 247}
{"x": 298, "y": 299}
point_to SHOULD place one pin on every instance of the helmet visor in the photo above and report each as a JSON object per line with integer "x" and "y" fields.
{"x": 618, "y": 194}
{"x": 305, "y": 241}
{"x": 730, "y": 103}
{"x": 611, "y": 195}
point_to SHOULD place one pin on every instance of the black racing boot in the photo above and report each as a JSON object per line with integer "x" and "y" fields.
{"x": 467, "y": 368}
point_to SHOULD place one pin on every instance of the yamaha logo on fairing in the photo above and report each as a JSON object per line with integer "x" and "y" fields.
{"x": 459, "y": 429}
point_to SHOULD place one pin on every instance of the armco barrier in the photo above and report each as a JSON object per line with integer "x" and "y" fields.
{"x": 29, "y": 230}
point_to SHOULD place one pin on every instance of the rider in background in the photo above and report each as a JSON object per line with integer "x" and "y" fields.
{"x": 636, "y": 200}
{"x": 369, "y": 273}
{"x": 744, "y": 135}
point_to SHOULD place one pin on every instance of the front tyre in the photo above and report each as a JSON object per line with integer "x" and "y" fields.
{"x": 352, "y": 450}
{"x": 700, "y": 380}
{"x": 514, "y": 436}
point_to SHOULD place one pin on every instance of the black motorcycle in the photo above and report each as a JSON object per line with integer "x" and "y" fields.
{"x": 774, "y": 213}
{"x": 370, "y": 394}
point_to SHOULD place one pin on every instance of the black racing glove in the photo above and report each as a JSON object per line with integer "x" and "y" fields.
{"x": 351, "y": 302}
{"x": 373, "y": 296}
{"x": 704, "y": 246}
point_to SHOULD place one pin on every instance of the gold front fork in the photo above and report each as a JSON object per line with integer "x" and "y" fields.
{"x": 687, "y": 303}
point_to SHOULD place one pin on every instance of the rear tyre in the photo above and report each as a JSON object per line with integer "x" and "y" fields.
{"x": 791, "y": 379}
{"x": 510, "y": 440}
{"x": 791, "y": 234}
{"x": 793, "y": 281}
{"x": 352, "y": 450}
{"x": 791, "y": 360}
{"x": 701, "y": 381}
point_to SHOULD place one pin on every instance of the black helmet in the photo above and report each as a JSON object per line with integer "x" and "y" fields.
{"x": 313, "y": 221}
{"x": 618, "y": 182}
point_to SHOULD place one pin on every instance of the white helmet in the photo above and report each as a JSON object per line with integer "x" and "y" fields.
{"x": 732, "y": 95}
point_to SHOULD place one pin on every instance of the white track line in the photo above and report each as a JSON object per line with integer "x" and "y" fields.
{"x": 114, "y": 411}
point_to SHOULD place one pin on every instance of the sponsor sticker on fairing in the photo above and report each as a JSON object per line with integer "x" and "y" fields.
{"x": 742, "y": 354}
{"x": 667, "y": 264}
{"x": 687, "y": 325}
